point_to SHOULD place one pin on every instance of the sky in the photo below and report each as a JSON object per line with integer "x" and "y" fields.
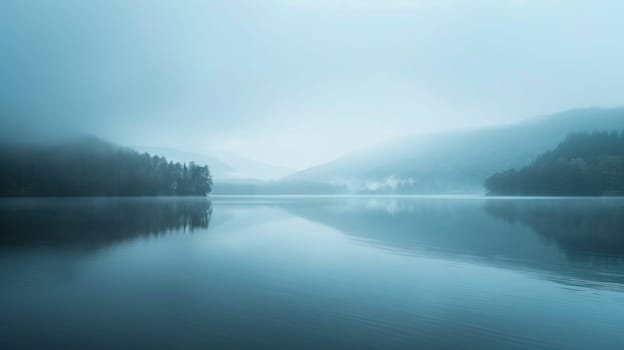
{"x": 295, "y": 83}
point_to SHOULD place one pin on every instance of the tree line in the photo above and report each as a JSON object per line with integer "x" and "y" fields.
{"x": 584, "y": 164}
{"x": 91, "y": 167}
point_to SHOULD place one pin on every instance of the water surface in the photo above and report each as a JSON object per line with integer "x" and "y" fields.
{"x": 310, "y": 272}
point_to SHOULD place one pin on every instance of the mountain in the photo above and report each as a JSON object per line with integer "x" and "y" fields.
{"x": 455, "y": 162}
{"x": 584, "y": 164}
{"x": 224, "y": 166}
{"x": 246, "y": 168}
{"x": 217, "y": 167}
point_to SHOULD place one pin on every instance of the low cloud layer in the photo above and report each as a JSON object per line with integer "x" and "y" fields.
{"x": 297, "y": 83}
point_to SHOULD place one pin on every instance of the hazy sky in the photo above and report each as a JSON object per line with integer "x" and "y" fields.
{"x": 298, "y": 82}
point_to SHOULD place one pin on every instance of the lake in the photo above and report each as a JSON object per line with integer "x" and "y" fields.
{"x": 312, "y": 273}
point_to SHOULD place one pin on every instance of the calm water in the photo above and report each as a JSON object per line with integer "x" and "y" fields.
{"x": 317, "y": 273}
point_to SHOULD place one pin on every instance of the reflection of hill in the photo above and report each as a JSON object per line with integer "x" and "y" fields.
{"x": 92, "y": 222}
{"x": 462, "y": 229}
{"x": 582, "y": 228}
{"x": 422, "y": 226}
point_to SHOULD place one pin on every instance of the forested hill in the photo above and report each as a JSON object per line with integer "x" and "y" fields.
{"x": 457, "y": 162}
{"x": 92, "y": 167}
{"x": 584, "y": 164}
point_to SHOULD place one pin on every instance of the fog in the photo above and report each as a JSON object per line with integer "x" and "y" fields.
{"x": 295, "y": 83}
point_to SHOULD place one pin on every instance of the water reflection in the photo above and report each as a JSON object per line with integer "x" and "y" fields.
{"x": 293, "y": 273}
{"x": 576, "y": 242}
{"x": 589, "y": 231}
{"x": 582, "y": 228}
{"x": 95, "y": 222}
{"x": 572, "y": 241}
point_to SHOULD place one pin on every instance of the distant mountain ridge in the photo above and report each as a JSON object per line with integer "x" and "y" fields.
{"x": 455, "y": 162}
{"x": 225, "y": 166}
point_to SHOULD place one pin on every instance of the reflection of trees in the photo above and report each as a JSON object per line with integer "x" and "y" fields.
{"x": 582, "y": 228}
{"x": 591, "y": 232}
{"x": 99, "y": 221}
{"x": 424, "y": 226}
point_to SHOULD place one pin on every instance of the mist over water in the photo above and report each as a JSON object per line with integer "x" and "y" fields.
{"x": 311, "y": 174}
{"x": 365, "y": 272}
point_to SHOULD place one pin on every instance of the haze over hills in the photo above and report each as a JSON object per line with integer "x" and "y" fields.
{"x": 446, "y": 162}
{"x": 455, "y": 162}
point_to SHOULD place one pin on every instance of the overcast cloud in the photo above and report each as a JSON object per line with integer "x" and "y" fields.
{"x": 298, "y": 82}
